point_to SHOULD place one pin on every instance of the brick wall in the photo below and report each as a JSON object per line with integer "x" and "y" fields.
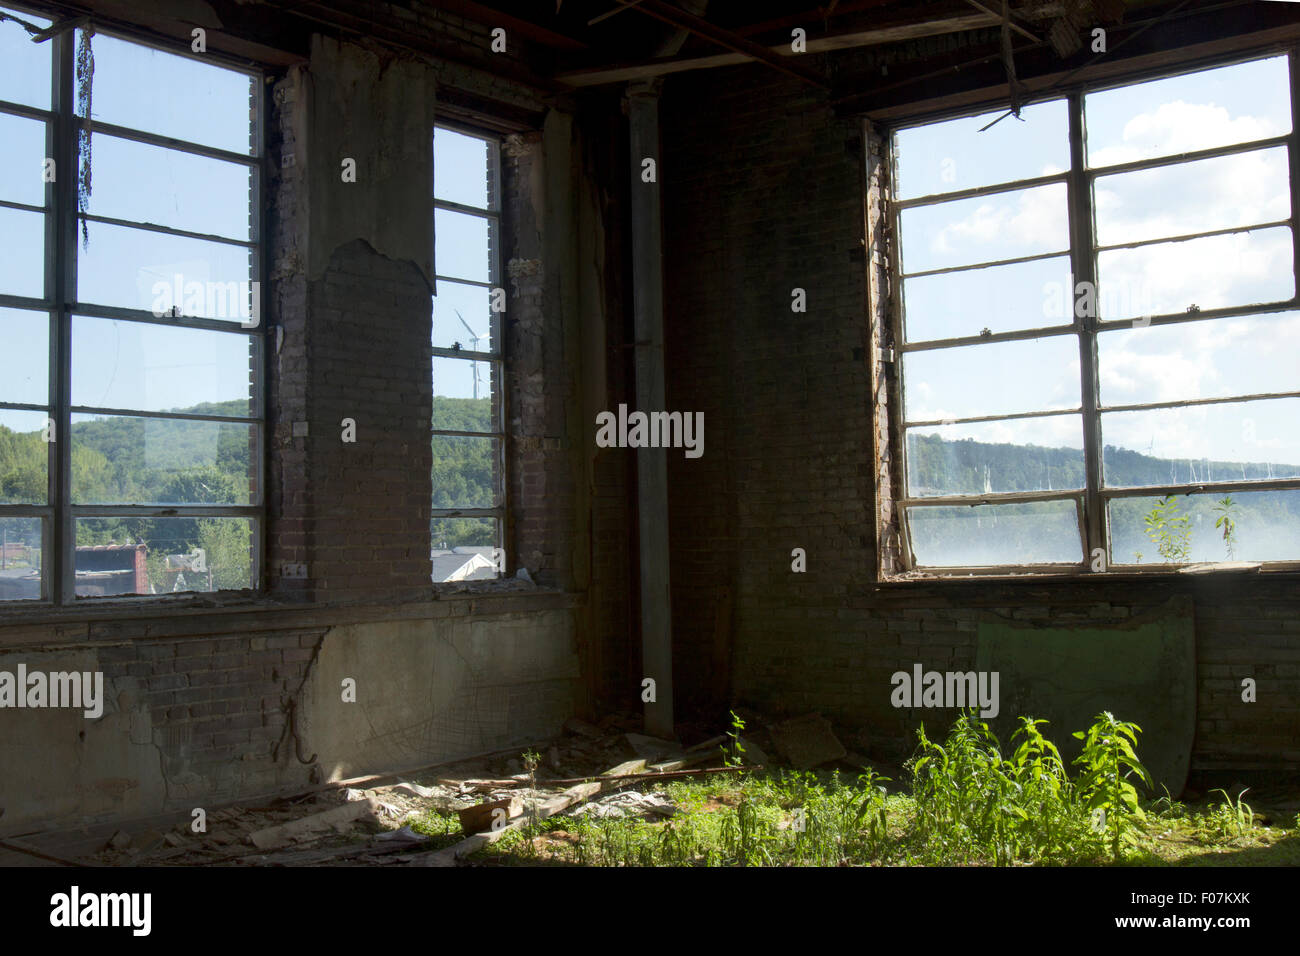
{"x": 764, "y": 193}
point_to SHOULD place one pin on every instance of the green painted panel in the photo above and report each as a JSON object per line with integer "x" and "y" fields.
{"x": 1141, "y": 670}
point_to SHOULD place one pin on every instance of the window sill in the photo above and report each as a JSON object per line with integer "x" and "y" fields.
{"x": 233, "y": 612}
{"x": 1206, "y": 571}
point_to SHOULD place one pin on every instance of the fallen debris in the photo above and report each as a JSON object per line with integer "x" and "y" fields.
{"x": 484, "y": 816}
{"x": 806, "y": 742}
{"x": 305, "y": 828}
{"x": 628, "y": 803}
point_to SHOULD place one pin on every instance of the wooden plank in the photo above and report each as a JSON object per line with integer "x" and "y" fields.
{"x": 483, "y": 816}
{"x": 287, "y": 832}
{"x": 840, "y": 41}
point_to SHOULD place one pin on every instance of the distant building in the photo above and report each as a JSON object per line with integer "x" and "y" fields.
{"x": 463, "y": 564}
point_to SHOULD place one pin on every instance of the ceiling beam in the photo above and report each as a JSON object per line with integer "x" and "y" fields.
{"x": 841, "y": 41}
{"x": 675, "y": 16}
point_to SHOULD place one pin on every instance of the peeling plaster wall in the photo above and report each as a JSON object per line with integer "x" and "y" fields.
{"x": 378, "y": 111}
{"x": 428, "y": 691}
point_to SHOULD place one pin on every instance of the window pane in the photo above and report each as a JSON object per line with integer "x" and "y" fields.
{"x": 1023, "y": 454}
{"x": 21, "y": 559}
{"x": 1264, "y": 526}
{"x": 22, "y": 161}
{"x": 462, "y": 169}
{"x": 1233, "y": 104}
{"x": 1247, "y": 268}
{"x": 136, "y": 269}
{"x": 25, "y": 370}
{"x": 24, "y": 458}
{"x": 463, "y": 396}
{"x": 125, "y": 460}
{"x": 462, "y": 315}
{"x": 157, "y": 368}
{"x": 944, "y": 157}
{"x": 26, "y": 75}
{"x": 156, "y": 92}
{"x": 1026, "y": 295}
{"x": 1023, "y": 222}
{"x": 1040, "y": 532}
{"x": 464, "y": 549}
{"x": 1214, "y": 358}
{"x": 1202, "y": 443}
{"x": 463, "y": 245}
{"x": 465, "y": 472}
{"x": 22, "y": 252}
{"x": 1241, "y": 190}
{"x": 166, "y": 187}
{"x": 163, "y": 555}
{"x": 1001, "y": 378}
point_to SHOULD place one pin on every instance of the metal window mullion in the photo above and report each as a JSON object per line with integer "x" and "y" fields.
{"x": 1005, "y": 417}
{"x": 1186, "y": 403}
{"x": 1207, "y": 487}
{"x": 1083, "y": 261}
{"x": 26, "y": 302}
{"x": 992, "y": 498}
{"x": 895, "y": 384}
{"x": 168, "y": 142}
{"x": 26, "y": 511}
{"x": 1018, "y": 335}
{"x": 24, "y": 407}
{"x": 1293, "y": 154}
{"x": 27, "y": 112}
{"x": 1193, "y": 156}
{"x": 984, "y": 265}
{"x": 438, "y": 351}
{"x": 22, "y": 206}
{"x": 180, "y": 416}
{"x": 123, "y": 314}
{"x": 1187, "y": 237}
{"x": 974, "y": 192}
{"x": 1177, "y": 318}
{"x": 166, "y": 230}
{"x": 164, "y": 511}
{"x": 449, "y": 206}
{"x": 62, "y": 263}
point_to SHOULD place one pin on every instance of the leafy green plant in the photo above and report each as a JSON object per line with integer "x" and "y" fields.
{"x": 1229, "y": 819}
{"x": 1108, "y": 760}
{"x": 733, "y": 754}
{"x": 1227, "y": 509}
{"x": 1169, "y": 530}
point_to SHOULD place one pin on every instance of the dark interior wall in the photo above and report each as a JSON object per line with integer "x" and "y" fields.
{"x": 764, "y": 192}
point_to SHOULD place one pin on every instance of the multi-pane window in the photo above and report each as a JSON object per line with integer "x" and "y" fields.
{"x": 1097, "y": 328}
{"x": 466, "y": 530}
{"x": 130, "y": 396}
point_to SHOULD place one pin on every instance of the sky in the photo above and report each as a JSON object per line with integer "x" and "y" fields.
{"x": 119, "y": 364}
{"x": 1207, "y": 358}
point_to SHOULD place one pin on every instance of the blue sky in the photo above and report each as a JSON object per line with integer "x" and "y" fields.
{"x": 1209, "y": 358}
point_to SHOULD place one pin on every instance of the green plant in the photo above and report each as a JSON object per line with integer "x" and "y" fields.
{"x": 1108, "y": 760}
{"x": 1226, "y": 509}
{"x": 1169, "y": 530}
{"x": 733, "y": 754}
{"x": 1229, "y": 818}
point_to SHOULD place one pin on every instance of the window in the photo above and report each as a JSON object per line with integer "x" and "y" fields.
{"x": 1097, "y": 329}
{"x": 130, "y": 398}
{"x": 466, "y": 527}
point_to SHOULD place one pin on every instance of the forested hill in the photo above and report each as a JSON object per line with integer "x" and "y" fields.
{"x": 937, "y": 466}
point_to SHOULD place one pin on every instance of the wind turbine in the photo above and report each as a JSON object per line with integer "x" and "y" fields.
{"x": 474, "y": 340}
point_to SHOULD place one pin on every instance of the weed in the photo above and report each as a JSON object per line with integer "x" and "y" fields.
{"x": 1170, "y": 531}
{"x": 1108, "y": 759}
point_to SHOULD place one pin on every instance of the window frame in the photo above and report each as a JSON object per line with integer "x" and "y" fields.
{"x": 59, "y": 514}
{"x": 1092, "y": 502}
{"x": 495, "y": 357}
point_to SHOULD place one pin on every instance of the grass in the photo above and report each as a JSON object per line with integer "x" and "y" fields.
{"x": 968, "y": 805}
